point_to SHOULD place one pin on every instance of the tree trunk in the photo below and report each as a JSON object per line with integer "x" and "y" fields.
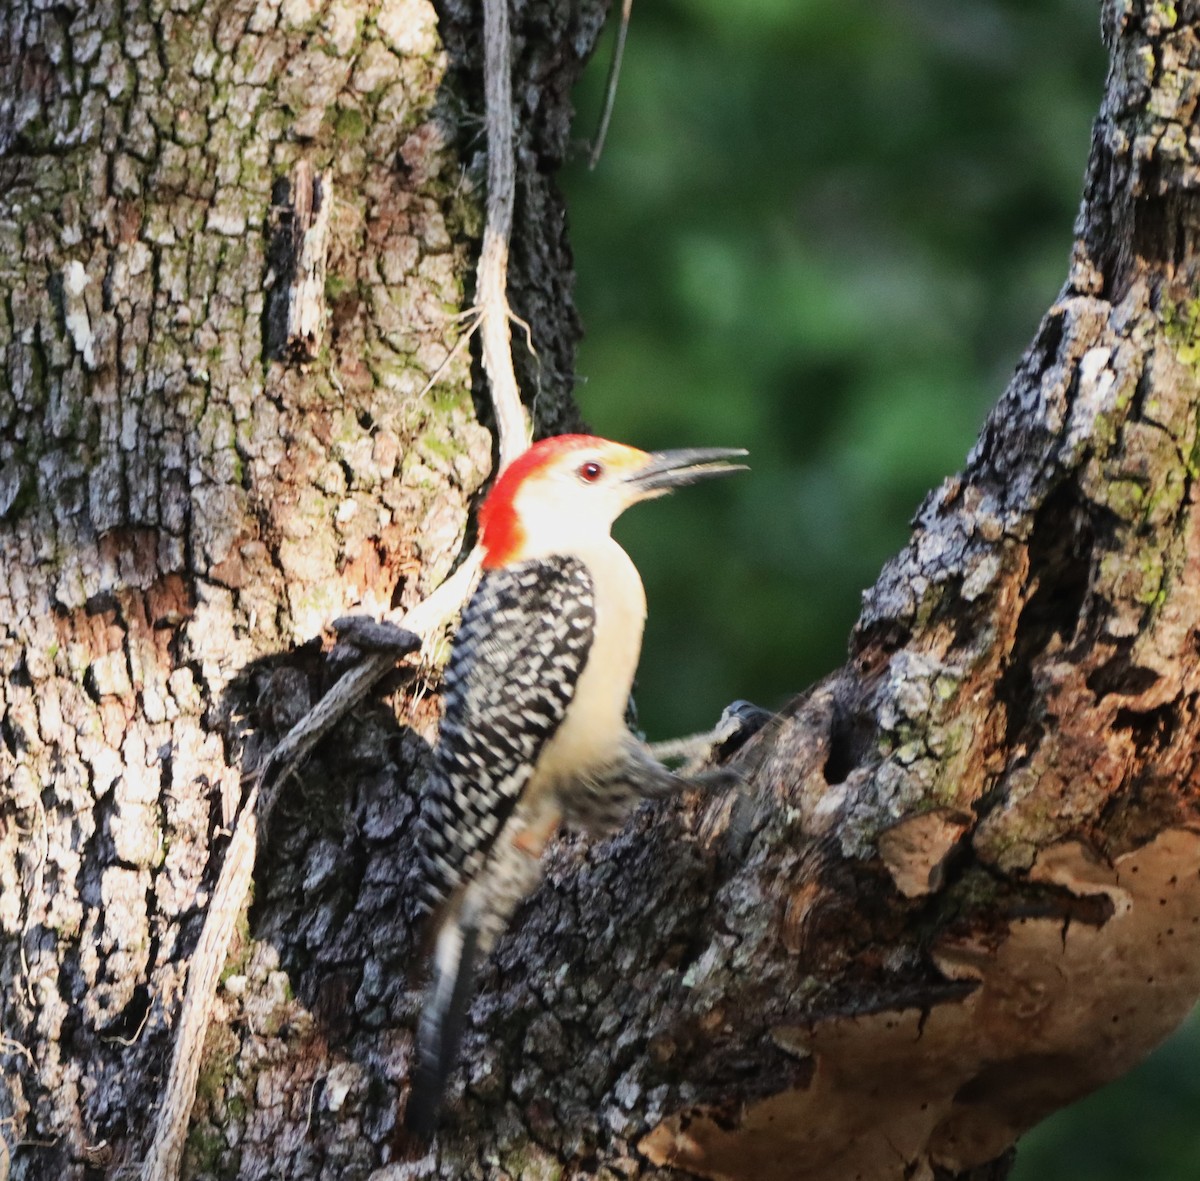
{"x": 964, "y": 886}
{"x": 234, "y": 238}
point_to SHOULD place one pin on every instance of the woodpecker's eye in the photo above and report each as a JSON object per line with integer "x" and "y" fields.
{"x": 590, "y": 472}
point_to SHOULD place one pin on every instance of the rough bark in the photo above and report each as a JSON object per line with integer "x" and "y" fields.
{"x": 965, "y": 886}
{"x": 234, "y": 241}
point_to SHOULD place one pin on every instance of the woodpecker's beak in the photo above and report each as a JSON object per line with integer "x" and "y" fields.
{"x": 666, "y": 470}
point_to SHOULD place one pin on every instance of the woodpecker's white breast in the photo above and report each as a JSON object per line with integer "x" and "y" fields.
{"x": 593, "y": 730}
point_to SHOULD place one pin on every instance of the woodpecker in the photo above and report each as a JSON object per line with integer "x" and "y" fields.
{"x": 536, "y": 692}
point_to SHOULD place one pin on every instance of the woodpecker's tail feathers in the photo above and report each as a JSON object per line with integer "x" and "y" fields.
{"x": 443, "y": 1016}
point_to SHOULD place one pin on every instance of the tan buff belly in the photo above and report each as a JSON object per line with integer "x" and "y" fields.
{"x": 594, "y": 729}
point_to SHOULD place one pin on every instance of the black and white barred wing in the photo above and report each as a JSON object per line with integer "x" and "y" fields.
{"x": 522, "y": 644}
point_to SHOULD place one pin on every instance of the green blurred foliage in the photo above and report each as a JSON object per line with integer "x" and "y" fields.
{"x": 825, "y": 231}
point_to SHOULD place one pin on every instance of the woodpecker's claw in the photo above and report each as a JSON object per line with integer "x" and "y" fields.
{"x": 739, "y": 722}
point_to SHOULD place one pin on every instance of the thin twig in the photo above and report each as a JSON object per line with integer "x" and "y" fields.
{"x": 459, "y": 344}
{"x": 165, "y": 1151}
{"x": 491, "y": 284}
{"x": 426, "y": 620}
{"x": 131, "y": 1041}
{"x": 610, "y": 86}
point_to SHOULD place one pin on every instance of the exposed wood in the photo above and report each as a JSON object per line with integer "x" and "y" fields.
{"x": 299, "y": 254}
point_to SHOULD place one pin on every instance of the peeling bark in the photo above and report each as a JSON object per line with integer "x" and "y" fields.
{"x": 965, "y": 886}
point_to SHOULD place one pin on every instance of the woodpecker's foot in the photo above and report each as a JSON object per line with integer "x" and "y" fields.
{"x": 738, "y": 723}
